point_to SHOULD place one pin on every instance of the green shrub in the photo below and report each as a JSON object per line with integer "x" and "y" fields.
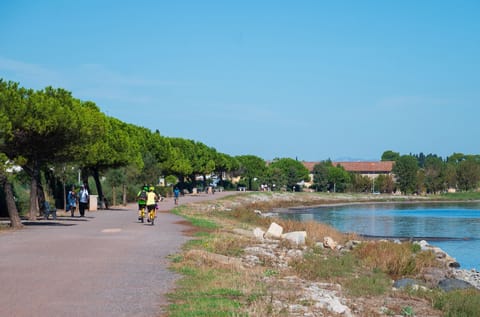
{"x": 460, "y": 303}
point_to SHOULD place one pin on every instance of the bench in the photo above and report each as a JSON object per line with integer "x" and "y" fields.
{"x": 48, "y": 210}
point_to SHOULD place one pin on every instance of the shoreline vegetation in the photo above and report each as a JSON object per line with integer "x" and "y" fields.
{"x": 228, "y": 269}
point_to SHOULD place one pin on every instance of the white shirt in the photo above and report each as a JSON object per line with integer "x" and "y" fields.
{"x": 83, "y": 196}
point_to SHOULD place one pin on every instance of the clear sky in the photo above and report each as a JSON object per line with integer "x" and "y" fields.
{"x": 302, "y": 79}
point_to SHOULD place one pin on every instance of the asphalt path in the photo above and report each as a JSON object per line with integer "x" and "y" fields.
{"x": 104, "y": 264}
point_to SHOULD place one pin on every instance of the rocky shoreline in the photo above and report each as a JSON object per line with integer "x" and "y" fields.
{"x": 288, "y": 291}
{"x": 454, "y": 271}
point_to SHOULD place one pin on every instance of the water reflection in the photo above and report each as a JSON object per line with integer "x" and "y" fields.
{"x": 453, "y": 227}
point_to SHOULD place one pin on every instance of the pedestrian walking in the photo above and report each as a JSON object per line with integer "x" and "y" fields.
{"x": 83, "y": 200}
{"x": 72, "y": 201}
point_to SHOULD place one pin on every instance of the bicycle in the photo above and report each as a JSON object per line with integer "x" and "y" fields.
{"x": 151, "y": 215}
{"x": 141, "y": 215}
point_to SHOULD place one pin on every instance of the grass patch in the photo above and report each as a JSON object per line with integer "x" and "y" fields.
{"x": 199, "y": 222}
{"x": 462, "y": 196}
{"x": 202, "y": 223}
{"x": 395, "y": 259}
{"x": 371, "y": 284}
{"x": 315, "y": 266}
{"x": 207, "y": 291}
{"x": 460, "y": 303}
{"x": 226, "y": 244}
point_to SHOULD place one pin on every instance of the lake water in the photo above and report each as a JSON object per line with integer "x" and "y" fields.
{"x": 455, "y": 228}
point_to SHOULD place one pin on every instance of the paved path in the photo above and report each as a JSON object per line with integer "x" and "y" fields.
{"x": 105, "y": 264}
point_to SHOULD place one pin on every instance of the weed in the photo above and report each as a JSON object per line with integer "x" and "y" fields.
{"x": 270, "y": 272}
{"x": 318, "y": 266}
{"x": 370, "y": 284}
{"x": 407, "y": 311}
{"x": 415, "y": 248}
{"x": 177, "y": 258}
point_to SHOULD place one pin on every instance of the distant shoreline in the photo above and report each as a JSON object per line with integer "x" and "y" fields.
{"x": 389, "y": 202}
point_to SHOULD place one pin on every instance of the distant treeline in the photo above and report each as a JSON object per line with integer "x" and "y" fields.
{"x": 411, "y": 174}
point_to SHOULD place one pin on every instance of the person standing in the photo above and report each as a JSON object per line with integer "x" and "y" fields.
{"x": 82, "y": 200}
{"x": 72, "y": 200}
{"x": 176, "y": 194}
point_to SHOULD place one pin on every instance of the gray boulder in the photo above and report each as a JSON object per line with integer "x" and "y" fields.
{"x": 406, "y": 282}
{"x": 451, "y": 284}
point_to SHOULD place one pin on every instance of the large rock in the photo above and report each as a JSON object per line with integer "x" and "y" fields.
{"x": 297, "y": 237}
{"x": 275, "y": 231}
{"x": 406, "y": 282}
{"x": 441, "y": 255}
{"x": 328, "y": 242}
{"x": 451, "y": 284}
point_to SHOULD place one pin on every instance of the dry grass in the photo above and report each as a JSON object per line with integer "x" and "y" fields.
{"x": 316, "y": 231}
{"x": 226, "y": 244}
{"x": 395, "y": 259}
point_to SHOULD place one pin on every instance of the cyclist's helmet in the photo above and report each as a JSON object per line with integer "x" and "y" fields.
{"x": 145, "y": 187}
{"x": 152, "y": 188}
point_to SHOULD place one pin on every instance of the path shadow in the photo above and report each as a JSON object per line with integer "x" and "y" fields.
{"x": 48, "y": 223}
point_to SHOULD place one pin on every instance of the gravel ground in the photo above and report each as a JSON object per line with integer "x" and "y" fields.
{"x": 105, "y": 264}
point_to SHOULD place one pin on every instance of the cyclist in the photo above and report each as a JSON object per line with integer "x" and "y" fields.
{"x": 152, "y": 199}
{"x": 142, "y": 202}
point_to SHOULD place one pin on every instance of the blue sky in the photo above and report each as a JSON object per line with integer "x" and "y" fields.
{"x": 302, "y": 79}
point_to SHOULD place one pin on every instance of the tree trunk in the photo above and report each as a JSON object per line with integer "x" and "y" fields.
{"x": 15, "y": 221}
{"x": 64, "y": 196}
{"x": 96, "y": 177}
{"x": 114, "y": 198}
{"x": 124, "y": 195}
{"x": 32, "y": 214}
{"x": 40, "y": 192}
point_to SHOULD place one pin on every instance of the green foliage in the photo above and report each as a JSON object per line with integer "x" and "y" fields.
{"x": 407, "y": 311}
{"x": 320, "y": 175}
{"x": 406, "y": 169}
{"x": 468, "y": 173}
{"x": 293, "y": 171}
{"x": 434, "y": 174}
{"x": 390, "y": 156}
{"x": 251, "y": 167}
{"x": 361, "y": 184}
{"x": 384, "y": 184}
{"x": 338, "y": 179}
{"x": 459, "y": 303}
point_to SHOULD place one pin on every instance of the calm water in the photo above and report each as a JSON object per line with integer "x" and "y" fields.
{"x": 454, "y": 228}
